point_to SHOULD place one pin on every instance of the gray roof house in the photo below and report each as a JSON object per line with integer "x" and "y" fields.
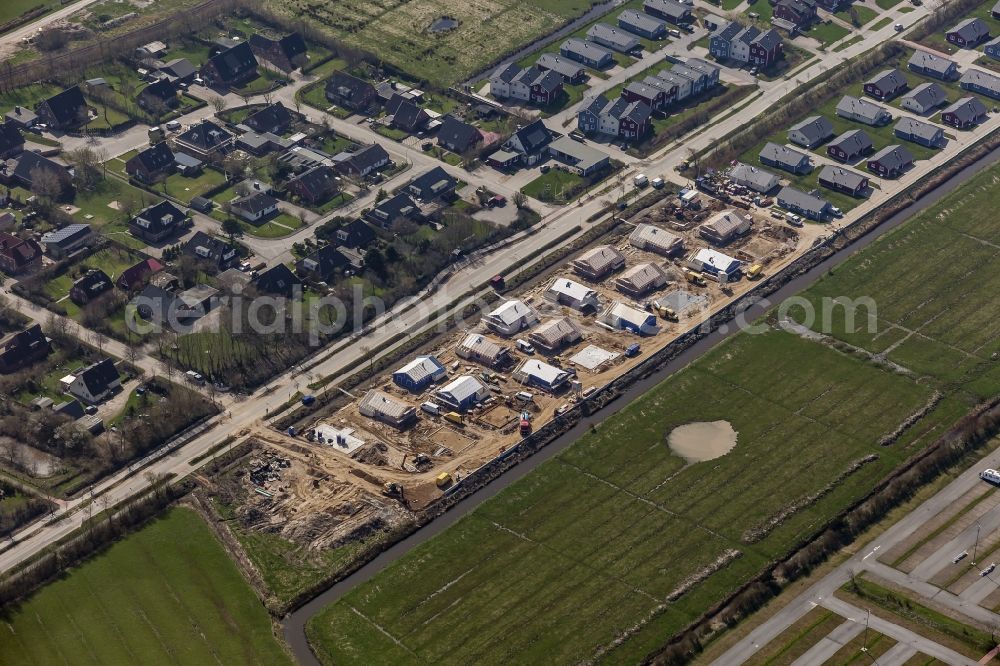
{"x": 613, "y": 38}
{"x": 969, "y": 34}
{"x": 926, "y": 134}
{"x": 964, "y": 113}
{"x": 755, "y": 178}
{"x": 886, "y": 84}
{"x": 891, "y": 161}
{"x": 850, "y": 146}
{"x": 798, "y": 201}
{"x": 570, "y": 70}
{"x": 785, "y": 158}
{"x": 924, "y": 98}
{"x": 589, "y": 53}
{"x": 981, "y": 82}
{"x": 862, "y": 111}
{"x": 843, "y": 180}
{"x": 929, "y": 64}
{"x": 642, "y": 24}
{"x": 811, "y": 132}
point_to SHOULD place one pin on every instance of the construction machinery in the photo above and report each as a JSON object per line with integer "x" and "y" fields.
{"x": 443, "y": 480}
{"x": 662, "y": 310}
{"x": 694, "y": 278}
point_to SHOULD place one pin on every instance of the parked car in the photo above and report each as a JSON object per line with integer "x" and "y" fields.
{"x": 898, "y": 27}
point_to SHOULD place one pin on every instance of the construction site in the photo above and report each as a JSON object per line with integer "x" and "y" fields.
{"x": 407, "y": 437}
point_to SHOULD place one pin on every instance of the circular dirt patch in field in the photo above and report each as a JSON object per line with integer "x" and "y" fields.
{"x": 701, "y": 441}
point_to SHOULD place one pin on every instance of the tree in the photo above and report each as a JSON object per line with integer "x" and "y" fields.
{"x": 375, "y": 261}
{"x": 218, "y": 103}
{"x": 87, "y": 164}
{"x": 232, "y": 228}
{"x": 48, "y": 184}
{"x": 52, "y": 39}
{"x": 519, "y": 199}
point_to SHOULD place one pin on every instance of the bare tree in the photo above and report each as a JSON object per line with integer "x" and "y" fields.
{"x": 218, "y": 103}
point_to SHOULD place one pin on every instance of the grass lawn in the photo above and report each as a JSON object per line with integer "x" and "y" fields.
{"x": 184, "y": 188}
{"x": 110, "y": 260}
{"x": 194, "y": 51}
{"x": 27, "y": 96}
{"x": 828, "y": 33}
{"x": 107, "y": 117}
{"x": 878, "y": 25}
{"x": 865, "y": 14}
{"x": 168, "y": 593}
{"x": 551, "y": 186}
{"x": 390, "y": 132}
{"x": 11, "y": 9}
{"x": 340, "y": 199}
{"x": 887, "y": 4}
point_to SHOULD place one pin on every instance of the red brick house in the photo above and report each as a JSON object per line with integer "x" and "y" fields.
{"x": 18, "y": 256}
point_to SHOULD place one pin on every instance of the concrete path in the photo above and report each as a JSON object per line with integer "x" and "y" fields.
{"x": 830, "y": 644}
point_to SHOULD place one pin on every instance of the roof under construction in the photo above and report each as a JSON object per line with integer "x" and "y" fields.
{"x": 655, "y": 239}
{"x": 641, "y": 278}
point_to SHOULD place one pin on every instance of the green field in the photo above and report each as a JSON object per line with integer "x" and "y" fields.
{"x": 397, "y": 31}
{"x": 166, "y": 595}
{"x": 595, "y": 541}
{"x": 11, "y": 9}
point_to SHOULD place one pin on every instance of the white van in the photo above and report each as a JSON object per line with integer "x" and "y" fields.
{"x": 657, "y": 183}
{"x": 522, "y": 345}
{"x": 991, "y": 476}
{"x": 524, "y": 396}
{"x": 431, "y": 407}
{"x": 641, "y": 180}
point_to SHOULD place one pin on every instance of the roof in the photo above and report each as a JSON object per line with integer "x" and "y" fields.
{"x": 255, "y": 203}
{"x": 619, "y": 311}
{"x": 20, "y": 252}
{"x": 929, "y": 61}
{"x": 432, "y": 184}
{"x": 234, "y": 62}
{"x": 163, "y": 89}
{"x": 158, "y": 217}
{"x": 157, "y": 157}
{"x": 600, "y": 259}
{"x": 556, "y": 330}
{"x": 368, "y": 157}
{"x": 421, "y": 368}
{"x": 571, "y": 289}
{"x": 668, "y": 7}
{"x": 802, "y": 201}
{"x": 187, "y": 161}
{"x": 971, "y": 29}
{"x": 621, "y": 39}
{"x": 584, "y": 49}
{"x": 639, "y": 20}
{"x": 457, "y": 133}
{"x": 67, "y": 233}
{"x": 463, "y": 388}
{"x": 180, "y": 68}
{"x": 272, "y": 118}
{"x": 94, "y": 281}
{"x": 916, "y": 128}
{"x": 892, "y": 79}
{"x": 647, "y": 234}
{"x": 506, "y": 73}
{"x": 347, "y": 86}
{"x": 815, "y": 128}
{"x": 727, "y": 30}
{"x": 846, "y": 178}
{"x": 203, "y": 246}
{"x": 768, "y": 39}
{"x": 395, "y": 207}
{"x": 892, "y": 157}
{"x": 861, "y": 108}
{"x": 543, "y": 372}
{"x": 481, "y": 346}
{"x": 324, "y": 261}
{"x": 966, "y": 109}
{"x": 593, "y": 104}
{"x": 783, "y": 155}
{"x": 759, "y": 179}
{"x": 65, "y": 106}
{"x": 406, "y": 114}
{"x": 99, "y": 376}
{"x": 727, "y": 223}
{"x": 379, "y": 403}
{"x": 206, "y": 135}
{"x": 10, "y": 136}
{"x": 534, "y": 136}
{"x": 511, "y": 312}
{"x": 29, "y": 161}
{"x": 317, "y": 180}
{"x": 642, "y": 276}
{"x": 130, "y": 276}
{"x": 568, "y": 68}
{"x": 583, "y": 156}
{"x": 982, "y": 80}
{"x": 716, "y": 258}
{"x": 927, "y": 95}
{"x": 278, "y": 279}
{"x": 852, "y": 141}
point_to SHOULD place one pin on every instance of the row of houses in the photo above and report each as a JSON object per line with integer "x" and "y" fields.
{"x": 748, "y": 45}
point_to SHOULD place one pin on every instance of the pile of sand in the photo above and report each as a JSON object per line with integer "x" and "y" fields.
{"x": 701, "y": 441}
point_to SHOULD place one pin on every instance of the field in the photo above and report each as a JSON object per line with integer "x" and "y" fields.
{"x": 614, "y": 531}
{"x": 11, "y": 9}
{"x": 397, "y": 31}
{"x": 168, "y": 593}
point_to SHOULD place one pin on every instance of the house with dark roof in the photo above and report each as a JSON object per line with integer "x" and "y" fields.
{"x": 850, "y": 146}
{"x": 809, "y": 205}
{"x": 969, "y": 33}
{"x": 572, "y": 72}
{"x": 965, "y": 113}
{"x": 501, "y": 78}
{"x": 932, "y": 65}
{"x": 924, "y": 98}
{"x": 799, "y": 13}
{"x": 926, "y": 134}
{"x": 22, "y": 117}
{"x": 891, "y": 161}
{"x": 65, "y": 110}
{"x": 995, "y": 11}
{"x": 614, "y": 38}
{"x": 274, "y": 118}
{"x": 365, "y": 162}
{"x": 639, "y": 91}
{"x": 978, "y": 81}
{"x": 30, "y": 164}
{"x": 458, "y": 136}
{"x": 433, "y": 184}
{"x": 180, "y": 70}
{"x": 641, "y": 24}
{"x": 843, "y": 180}
{"x": 255, "y": 208}
{"x": 754, "y": 178}
{"x": 721, "y": 40}
{"x": 11, "y": 140}
{"x": 90, "y": 286}
{"x": 350, "y": 92}
{"x": 811, "y": 131}
{"x": 525, "y": 146}
{"x": 862, "y": 111}
{"x": 886, "y": 85}
{"x": 61, "y": 242}
{"x": 279, "y": 279}
{"x": 323, "y": 264}
{"x": 19, "y": 255}
{"x": 261, "y": 144}
{"x": 588, "y": 53}
{"x": 992, "y": 48}
{"x": 315, "y": 186}
{"x": 785, "y": 158}
{"x": 668, "y": 10}
{"x": 135, "y": 277}
{"x": 159, "y": 97}
{"x": 210, "y": 251}
{"x": 355, "y": 234}
{"x": 204, "y": 139}
{"x": 22, "y": 349}
{"x": 766, "y": 49}
{"x": 286, "y": 53}
{"x": 151, "y": 164}
{"x": 232, "y": 67}
{"x": 157, "y": 222}
{"x": 96, "y": 383}
{"x": 405, "y": 114}
{"x": 397, "y": 207}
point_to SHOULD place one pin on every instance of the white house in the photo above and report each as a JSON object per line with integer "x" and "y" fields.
{"x": 511, "y": 317}
{"x": 572, "y": 293}
{"x": 96, "y": 383}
